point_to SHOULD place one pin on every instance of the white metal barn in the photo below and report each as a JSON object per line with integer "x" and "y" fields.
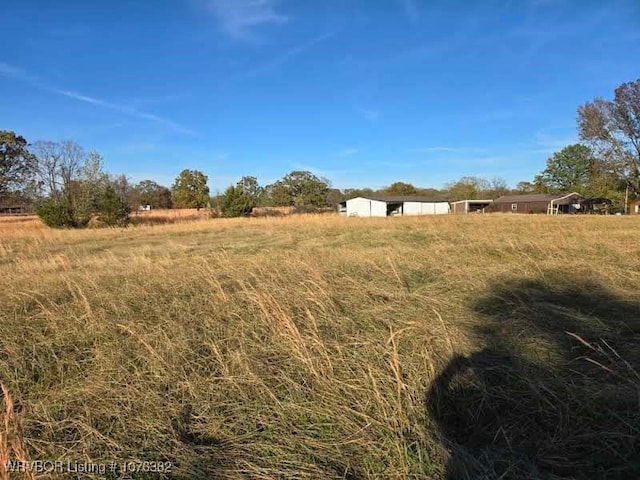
{"x": 384, "y": 206}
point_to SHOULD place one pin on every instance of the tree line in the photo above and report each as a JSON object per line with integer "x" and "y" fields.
{"x": 70, "y": 188}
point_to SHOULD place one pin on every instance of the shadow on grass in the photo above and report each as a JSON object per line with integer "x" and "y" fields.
{"x": 204, "y": 456}
{"x": 554, "y": 393}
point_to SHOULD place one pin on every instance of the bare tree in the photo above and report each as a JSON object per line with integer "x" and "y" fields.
{"x": 73, "y": 159}
{"x": 122, "y": 187}
{"x": 613, "y": 129}
{"x": 58, "y": 164}
{"x": 48, "y": 160}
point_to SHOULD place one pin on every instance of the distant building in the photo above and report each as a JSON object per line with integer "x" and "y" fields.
{"x": 16, "y": 209}
{"x": 634, "y": 207}
{"x": 385, "y": 206}
{"x": 550, "y": 203}
{"x": 470, "y": 206}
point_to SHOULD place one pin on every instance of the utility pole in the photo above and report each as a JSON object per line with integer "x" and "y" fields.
{"x": 626, "y": 199}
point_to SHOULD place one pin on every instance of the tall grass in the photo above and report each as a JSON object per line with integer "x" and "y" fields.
{"x": 325, "y": 347}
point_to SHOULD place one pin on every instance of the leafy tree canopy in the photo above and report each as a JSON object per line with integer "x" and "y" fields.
{"x": 251, "y": 187}
{"x": 148, "y": 192}
{"x": 276, "y": 195}
{"x": 400, "y": 188}
{"x": 306, "y": 189}
{"x": 190, "y": 190}
{"x": 468, "y": 188}
{"x": 569, "y": 170}
{"x": 17, "y": 163}
{"x": 357, "y": 192}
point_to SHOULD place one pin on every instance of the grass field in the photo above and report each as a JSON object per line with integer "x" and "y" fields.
{"x": 457, "y": 347}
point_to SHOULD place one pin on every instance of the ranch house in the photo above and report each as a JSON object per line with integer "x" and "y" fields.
{"x": 549, "y": 203}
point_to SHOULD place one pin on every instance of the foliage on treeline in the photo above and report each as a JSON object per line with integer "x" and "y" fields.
{"x": 79, "y": 193}
{"x": 97, "y": 207}
{"x": 72, "y": 190}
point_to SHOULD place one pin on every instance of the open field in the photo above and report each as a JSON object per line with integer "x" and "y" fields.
{"x": 323, "y": 347}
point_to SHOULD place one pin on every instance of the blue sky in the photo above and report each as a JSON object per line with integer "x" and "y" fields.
{"x": 363, "y": 92}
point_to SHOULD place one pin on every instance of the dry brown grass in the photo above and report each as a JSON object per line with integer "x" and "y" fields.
{"x": 11, "y": 438}
{"x": 163, "y": 217}
{"x": 326, "y": 347}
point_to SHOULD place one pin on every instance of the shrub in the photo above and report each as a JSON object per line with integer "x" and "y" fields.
{"x": 56, "y": 213}
{"x": 236, "y": 202}
{"x": 112, "y": 211}
{"x": 94, "y": 208}
{"x": 267, "y": 212}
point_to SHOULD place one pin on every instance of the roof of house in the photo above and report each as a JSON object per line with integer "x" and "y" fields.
{"x": 403, "y": 198}
{"x": 473, "y": 201}
{"x": 533, "y": 197}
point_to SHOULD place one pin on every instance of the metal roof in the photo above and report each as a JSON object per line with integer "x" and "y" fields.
{"x": 532, "y": 198}
{"x": 403, "y": 198}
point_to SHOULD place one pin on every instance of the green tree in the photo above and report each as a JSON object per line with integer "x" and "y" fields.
{"x": 334, "y": 197}
{"x": 468, "y": 188}
{"x": 432, "y": 193}
{"x": 236, "y": 202}
{"x": 350, "y": 193}
{"x": 85, "y": 189}
{"x": 190, "y": 190}
{"x": 569, "y": 170}
{"x": 607, "y": 183}
{"x": 306, "y": 189}
{"x": 400, "y": 188}
{"x": 252, "y": 188}
{"x": 148, "y": 192}
{"x": 276, "y": 195}
{"x": 525, "y": 187}
{"x": 112, "y": 209}
{"x": 612, "y": 128}
{"x": 17, "y": 163}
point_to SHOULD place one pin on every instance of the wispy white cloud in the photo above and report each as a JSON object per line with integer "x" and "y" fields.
{"x": 347, "y": 152}
{"x": 139, "y": 102}
{"x": 239, "y": 18}
{"x": 136, "y": 147}
{"x": 76, "y": 31}
{"x": 544, "y": 3}
{"x": 445, "y": 149}
{"x": 18, "y": 73}
{"x": 370, "y": 114}
{"x": 287, "y": 55}
{"x": 492, "y": 116}
{"x": 320, "y": 172}
{"x": 122, "y": 109}
{"x": 164, "y": 179}
{"x": 410, "y": 9}
{"x": 7, "y": 70}
{"x": 546, "y": 143}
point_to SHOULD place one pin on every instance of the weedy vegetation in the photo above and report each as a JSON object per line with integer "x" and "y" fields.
{"x": 475, "y": 347}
